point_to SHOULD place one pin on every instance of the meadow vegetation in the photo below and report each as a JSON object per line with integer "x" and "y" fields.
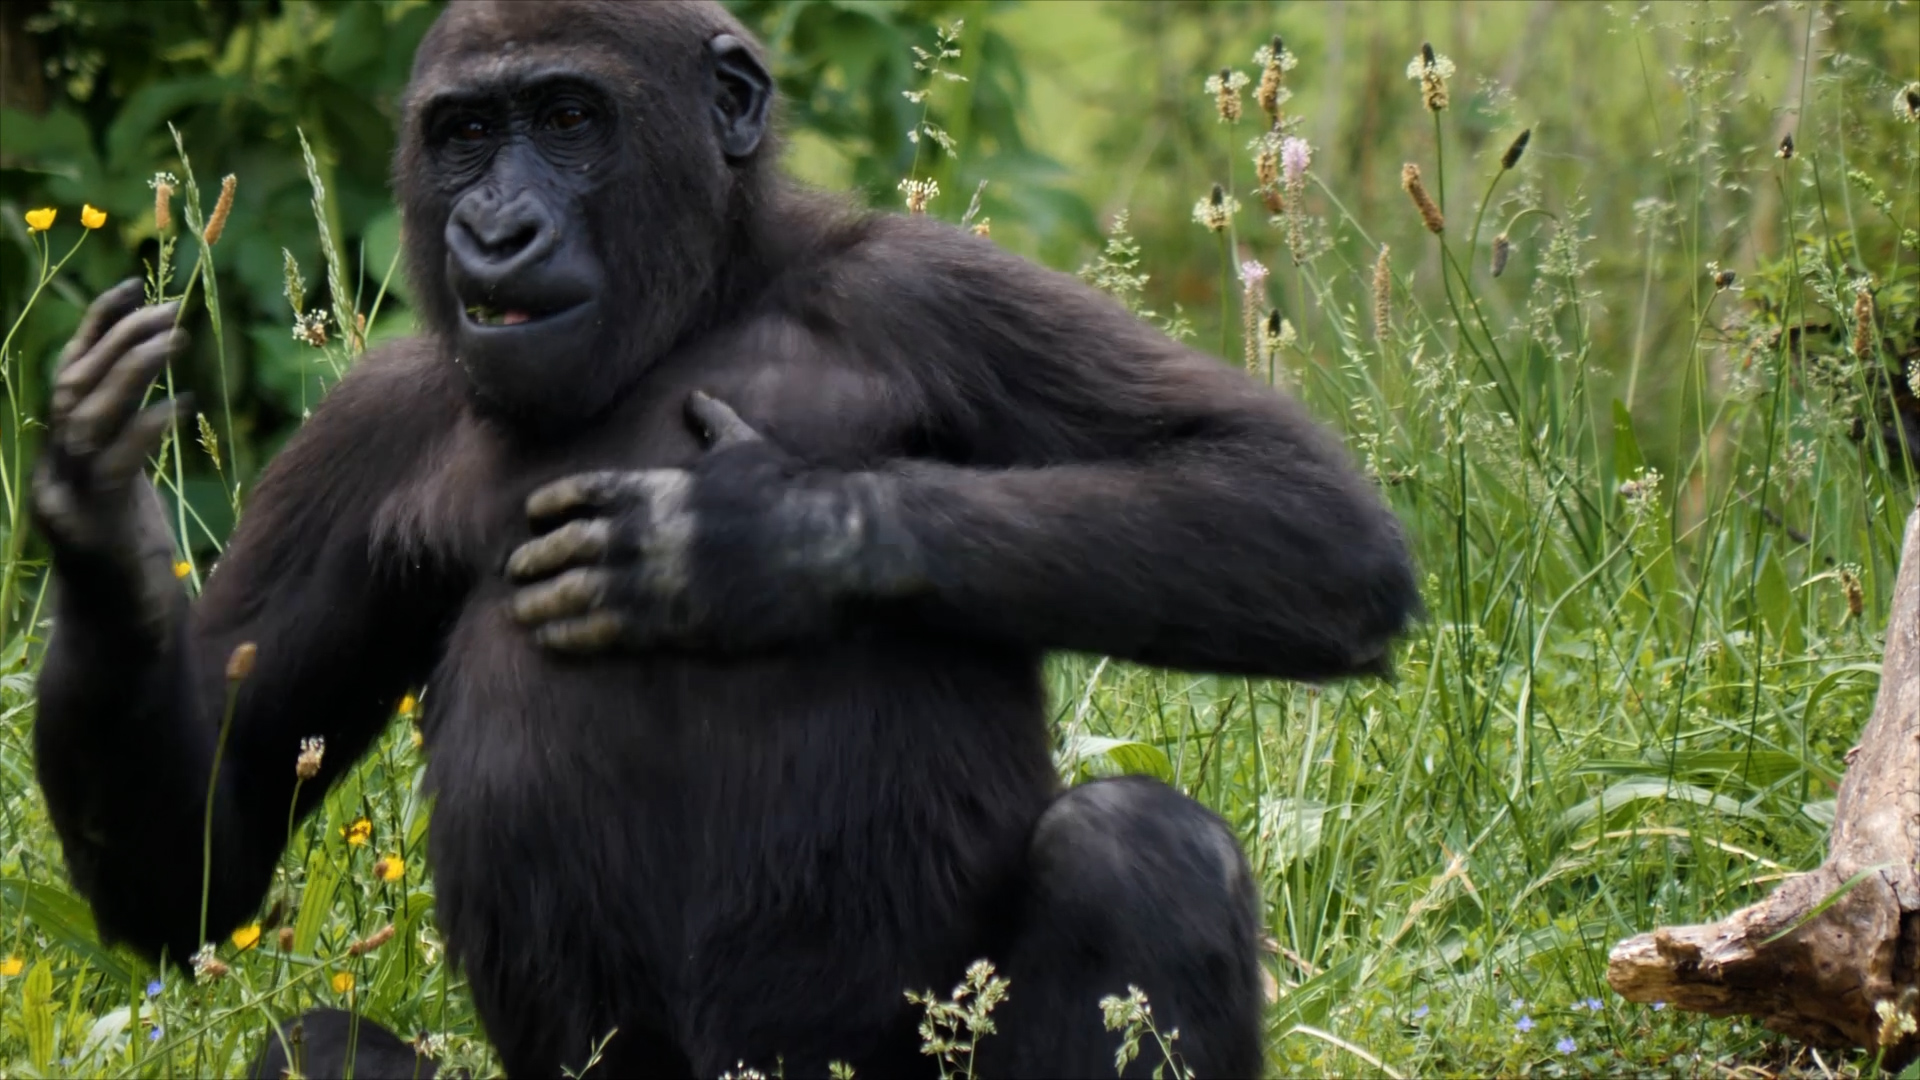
{"x": 1618, "y": 304}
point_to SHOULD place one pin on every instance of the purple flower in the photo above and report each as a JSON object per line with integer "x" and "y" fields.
{"x": 1565, "y": 1045}
{"x": 1252, "y": 274}
{"x": 154, "y": 1035}
{"x": 1593, "y": 1003}
{"x": 1295, "y": 156}
{"x": 1659, "y": 1005}
{"x": 153, "y": 988}
{"x": 1523, "y": 1025}
{"x": 1420, "y": 1013}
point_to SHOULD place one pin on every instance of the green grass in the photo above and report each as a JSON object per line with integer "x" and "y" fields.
{"x": 1644, "y": 526}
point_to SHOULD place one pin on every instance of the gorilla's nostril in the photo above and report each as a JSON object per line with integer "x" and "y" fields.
{"x": 503, "y": 240}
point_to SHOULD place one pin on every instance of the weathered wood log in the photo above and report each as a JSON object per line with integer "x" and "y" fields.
{"x": 1848, "y": 973}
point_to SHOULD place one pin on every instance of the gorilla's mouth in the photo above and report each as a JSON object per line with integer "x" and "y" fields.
{"x": 487, "y": 315}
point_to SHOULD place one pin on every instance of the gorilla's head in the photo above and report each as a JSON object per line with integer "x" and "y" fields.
{"x": 577, "y": 178}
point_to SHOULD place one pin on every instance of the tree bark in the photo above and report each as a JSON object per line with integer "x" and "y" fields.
{"x": 1845, "y": 974}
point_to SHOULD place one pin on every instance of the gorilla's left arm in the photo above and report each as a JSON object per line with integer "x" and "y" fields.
{"x": 1091, "y": 485}
{"x": 1126, "y": 495}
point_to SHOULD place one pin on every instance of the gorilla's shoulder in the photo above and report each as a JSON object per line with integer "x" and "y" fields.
{"x": 398, "y": 398}
{"x": 407, "y": 378}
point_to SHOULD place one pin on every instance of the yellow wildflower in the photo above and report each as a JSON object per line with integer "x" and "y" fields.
{"x": 91, "y": 218}
{"x": 11, "y": 966}
{"x": 182, "y": 568}
{"x": 391, "y": 868}
{"x": 342, "y": 982}
{"x": 246, "y": 937}
{"x": 42, "y": 219}
{"x": 408, "y": 704}
{"x": 358, "y": 833}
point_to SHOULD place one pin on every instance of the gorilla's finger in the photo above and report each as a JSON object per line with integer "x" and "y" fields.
{"x": 127, "y": 455}
{"x": 108, "y": 308}
{"x": 77, "y": 379}
{"x": 571, "y": 495}
{"x": 577, "y": 592}
{"x": 581, "y": 541}
{"x": 716, "y": 423}
{"x": 98, "y": 418}
{"x": 592, "y": 633}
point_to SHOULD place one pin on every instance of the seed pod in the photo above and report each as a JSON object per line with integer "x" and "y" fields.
{"x": 1502, "y": 248}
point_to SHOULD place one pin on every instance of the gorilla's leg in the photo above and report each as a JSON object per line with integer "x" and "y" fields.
{"x": 1131, "y": 884}
{"x": 331, "y": 1043}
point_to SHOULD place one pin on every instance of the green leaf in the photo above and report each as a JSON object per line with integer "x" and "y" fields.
{"x": 1097, "y": 755}
{"x": 316, "y": 900}
{"x": 1627, "y": 459}
{"x": 36, "y": 1013}
{"x": 1615, "y": 802}
{"x": 66, "y": 919}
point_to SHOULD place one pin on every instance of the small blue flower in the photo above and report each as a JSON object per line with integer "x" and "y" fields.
{"x": 1594, "y": 1004}
{"x": 153, "y": 988}
{"x": 1420, "y": 1013}
{"x": 1516, "y": 1005}
{"x": 1523, "y": 1025}
{"x": 1659, "y": 1005}
{"x": 154, "y": 1035}
{"x": 1565, "y": 1045}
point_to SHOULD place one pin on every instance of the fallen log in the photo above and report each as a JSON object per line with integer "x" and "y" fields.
{"x": 1832, "y": 957}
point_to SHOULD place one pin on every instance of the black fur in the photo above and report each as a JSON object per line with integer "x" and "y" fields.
{"x": 806, "y": 767}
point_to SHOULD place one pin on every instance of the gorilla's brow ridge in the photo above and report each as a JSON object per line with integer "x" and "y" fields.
{"x": 495, "y": 77}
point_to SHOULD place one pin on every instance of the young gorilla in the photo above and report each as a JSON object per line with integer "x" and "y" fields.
{"x": 729, "y": 529}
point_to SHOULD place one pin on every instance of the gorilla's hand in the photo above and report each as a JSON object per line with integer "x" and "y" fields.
{"x": 749, "y": 548}
{"x": 111, "y": 544}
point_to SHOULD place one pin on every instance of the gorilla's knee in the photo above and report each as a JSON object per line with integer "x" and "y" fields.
{"x": 1134, "y": 846}
{"x": 329, "y": 1043}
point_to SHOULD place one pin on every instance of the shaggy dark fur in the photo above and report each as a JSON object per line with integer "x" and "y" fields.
{"x": 727, "y": 529}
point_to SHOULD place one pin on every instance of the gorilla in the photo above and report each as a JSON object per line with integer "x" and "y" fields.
{"x": 729, "y": 527}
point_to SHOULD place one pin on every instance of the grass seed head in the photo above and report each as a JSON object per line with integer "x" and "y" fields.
{"x": 1516, "y": 148}
{"x": 1416, "y": 189}
{"x": 1862, "y": 323}
{"x": 222, "y": 207}
{"x": 1382, "y": 293}
{"x": 240, "y": 662}
{"x": 313, "y": 751}
{"x": 1502, "y": 249}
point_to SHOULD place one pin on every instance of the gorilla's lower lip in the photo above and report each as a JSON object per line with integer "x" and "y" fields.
{"x": 490, "y": 317}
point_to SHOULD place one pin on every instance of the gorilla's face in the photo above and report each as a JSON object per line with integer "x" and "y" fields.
{"x": 520, "y": 263}
{"x": 570, "y": 173}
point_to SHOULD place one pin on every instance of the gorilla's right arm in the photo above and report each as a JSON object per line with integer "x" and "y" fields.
{"x": 133, "y": 689}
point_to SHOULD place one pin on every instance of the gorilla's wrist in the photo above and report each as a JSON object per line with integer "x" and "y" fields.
{"x": 892, "y": 564}
{"x": 131, "y": 599}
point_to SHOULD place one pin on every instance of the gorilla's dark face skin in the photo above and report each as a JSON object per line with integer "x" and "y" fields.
{"x": 519, "y": 166}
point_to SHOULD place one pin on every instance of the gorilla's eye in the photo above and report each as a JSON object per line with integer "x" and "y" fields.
{"x": 470, "y": 130}
{"x": 568, "y": 117}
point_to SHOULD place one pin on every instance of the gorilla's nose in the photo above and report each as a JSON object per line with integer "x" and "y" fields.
{"x": 492, "y": 240}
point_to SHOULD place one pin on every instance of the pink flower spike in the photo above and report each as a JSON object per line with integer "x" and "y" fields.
{"x": 1252, "y": 273}
{"x": 1295, "y": 156}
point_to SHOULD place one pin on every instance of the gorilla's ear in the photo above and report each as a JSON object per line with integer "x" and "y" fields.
{"x": 743, "y": 97}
